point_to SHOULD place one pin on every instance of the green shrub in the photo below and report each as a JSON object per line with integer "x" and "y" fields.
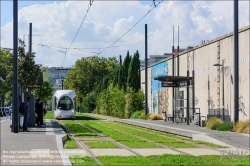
{"x": 129, "y": 106}
{"x": 134, "y": 102}
{"x": 215, "y": 126}
{"x": 89, "y": 103}
{"x": 226, "y": 126}
{"x": 213, "y": 121}
{"x": 137, "y": 114}
{"x": 143, "y": 116}
{"x": 102, "y": 103}
{"x": 117, "y": 101}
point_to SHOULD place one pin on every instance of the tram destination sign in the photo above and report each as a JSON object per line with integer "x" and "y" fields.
{"x": 168, "y": 84}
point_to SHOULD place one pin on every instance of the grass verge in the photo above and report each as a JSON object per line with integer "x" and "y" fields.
{"x": 101, "y": 145}
{"x": 125, "y": 139}
{"x": 49, "y": 115}
{"x": 151, "y": 136}
{"x": 82, "y": 161}
{"x": 126, "y": 161}
{"x": 174, "y": 136}
{"x": 79, "y": 130}
{"x": 226, "y": 160}
{"x": 70, "y": 142}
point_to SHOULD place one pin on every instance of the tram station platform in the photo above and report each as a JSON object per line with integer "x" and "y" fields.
{"x": 40, "y": 146}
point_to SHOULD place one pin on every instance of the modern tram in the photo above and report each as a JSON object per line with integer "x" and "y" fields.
{"x": 63, "y": 104}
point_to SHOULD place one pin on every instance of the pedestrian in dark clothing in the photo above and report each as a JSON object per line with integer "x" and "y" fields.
{"x": 39, "y": 109}
{"x": 36, "y": 108}
{"x": 26, "y": 114}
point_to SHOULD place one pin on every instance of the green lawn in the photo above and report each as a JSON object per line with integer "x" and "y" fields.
{"x": 170, "y": 135}
{"x": 126, "y": 161}
{"x": 49, "y": 115}
{"x": 101, "y": 145}
{"x": 82, "y": 161}
{"x": 79, "y": 130}
{"x": 70, "y": 142}
{"x": 162, "y": 160}
{"x": 150, "y": 136}
{"x": 124, "y": 139}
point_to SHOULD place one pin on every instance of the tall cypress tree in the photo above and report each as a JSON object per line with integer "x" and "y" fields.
{"x": 133, "y": 79}
{"x": 125, "y": 66}
{"x": 120, "y": 77}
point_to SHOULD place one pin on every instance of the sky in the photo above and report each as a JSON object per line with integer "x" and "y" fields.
{"x": 105, "y": 31}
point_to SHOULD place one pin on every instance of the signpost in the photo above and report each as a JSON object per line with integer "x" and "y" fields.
{"x": 176, "y": 52}
{"x": 168, "y": 84}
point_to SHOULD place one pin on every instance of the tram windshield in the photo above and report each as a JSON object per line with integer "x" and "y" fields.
{"x": 65, "y": 103}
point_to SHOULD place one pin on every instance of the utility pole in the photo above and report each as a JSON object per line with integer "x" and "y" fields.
{"x": 15, "y": 62}
{"x": 173, "y": 75}
{"x": 146, "y": 70}
{"x": 30, "y": 38}
{"x": 236, "y": 63}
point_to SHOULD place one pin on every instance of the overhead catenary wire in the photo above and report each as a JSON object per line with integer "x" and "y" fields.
{"x": 132, "y": 26}
{"x": 84, "y": 49}
{"x": 91, "y": 2}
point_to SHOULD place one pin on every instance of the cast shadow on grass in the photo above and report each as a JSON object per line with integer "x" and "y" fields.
{"x": 80, "y": 117}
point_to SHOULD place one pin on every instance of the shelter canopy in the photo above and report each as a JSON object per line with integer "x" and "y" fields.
{"x": 172, "y": 78}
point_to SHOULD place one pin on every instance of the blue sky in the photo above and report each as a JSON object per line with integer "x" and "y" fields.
{"x": 56, "y": 24}
{"x": 7, "y": 7}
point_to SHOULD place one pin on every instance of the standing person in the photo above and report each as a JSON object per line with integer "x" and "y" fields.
{"x": 39, "y": 109}
{"x": 36, "y": 111}
{"x": 41, "y": 114}
{"x": 26, "y": 114}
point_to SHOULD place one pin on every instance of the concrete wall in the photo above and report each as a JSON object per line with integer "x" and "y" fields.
{"x": 208, "y": 78}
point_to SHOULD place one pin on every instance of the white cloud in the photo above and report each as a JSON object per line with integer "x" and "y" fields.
{"x": 56, "y": 25}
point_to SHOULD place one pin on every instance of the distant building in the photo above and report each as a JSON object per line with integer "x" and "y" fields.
{"x": 156, "y": 58}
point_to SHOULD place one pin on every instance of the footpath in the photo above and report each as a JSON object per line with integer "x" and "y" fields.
{"x": 40, "y": 146}
{"x": 224, "y": 138}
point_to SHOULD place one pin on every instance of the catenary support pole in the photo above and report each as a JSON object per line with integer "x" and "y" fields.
{"x": 146, "y": 70}
{"x": 15, "y": 62}
{"x": 30, "y": 38}
{"x": 173, "y": 75}
{"x": 236, "y": 63}
{"x": 223, "y": 92}
{"x": 188, "y": 98}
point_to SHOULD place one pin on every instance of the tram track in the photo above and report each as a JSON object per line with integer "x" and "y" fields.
{"x": 177, "y": 139}
{"x": 109, "y": 139}
{"x": 156, "y": 143}
{"x": 218, "y": 149}
{"x": 83, "y": 146}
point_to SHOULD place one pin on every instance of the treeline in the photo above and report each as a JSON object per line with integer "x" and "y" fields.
{"x": 115, "y": 88}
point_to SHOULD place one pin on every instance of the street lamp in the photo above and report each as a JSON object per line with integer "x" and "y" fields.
{"x": 223, "y": 107}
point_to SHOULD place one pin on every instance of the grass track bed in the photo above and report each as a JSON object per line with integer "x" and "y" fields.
{"x": 49, "y": 115}
{"x": 79, "y": 130}
{"x": 101, "y": 145}
{"x": 151, "y": 136}
{"x": 70, "y": 142}
{"x": 82, "y": 161}
{"x": 226, "y": 160}
{"x": 126, "y": 161}
{"x": 171, "y": 135}
{"x": 125, "y": 139}
{"x": 163, "y": 160}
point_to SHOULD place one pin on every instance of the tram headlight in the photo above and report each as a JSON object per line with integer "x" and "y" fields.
{"x": 72, "y": 111}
